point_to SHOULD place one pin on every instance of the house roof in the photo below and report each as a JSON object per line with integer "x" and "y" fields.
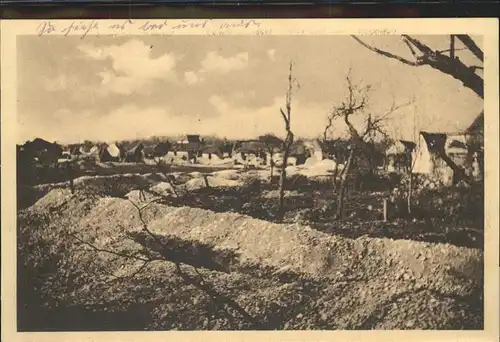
{"x": 472, "y": 127}
{"x": 457, "y": 144}
{"x": 434, "y": 141}
{"x": 149, "y": 149}
{"x": 410, "y": 145}
{"x": 136, "y": 148}
{"x": 212, "y": 149}
{"x": 401, "y": 147}
{"x": 38, "y": 142}
{"x": 190, "y": 138}
{"x": 250, "y": 146}
{"x": 477, "y": 125}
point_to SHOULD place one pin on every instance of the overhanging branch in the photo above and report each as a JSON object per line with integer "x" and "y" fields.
{"x": 385, "y": 53}
{"x": 439, "y": 61}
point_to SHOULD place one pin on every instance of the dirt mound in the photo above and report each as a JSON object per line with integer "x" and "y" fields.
{"x": 305, "y": 250}
{"x": 201, "y": 182}
{"x": 304, "y": 279}
{"x": 163, "y": 188}
{"x": 227, "y": 174}
{"x": 138, "y": 196}
{"x": 440, "y": 266}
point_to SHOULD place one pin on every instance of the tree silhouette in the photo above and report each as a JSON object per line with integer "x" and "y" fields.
{"x": 436, "y": 59}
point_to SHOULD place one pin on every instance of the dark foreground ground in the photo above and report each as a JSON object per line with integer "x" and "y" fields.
{"x": 66, "y": 284}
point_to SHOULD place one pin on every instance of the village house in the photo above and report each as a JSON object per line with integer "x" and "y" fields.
{"x": 41, "y": 151}
{"x": 209, "y": 152}
{"x": 135, "y": 154}
{"x": 110, "y": 153}
{"x": 463, "y": 148}
{"x": 148, "y": 151}
{"x": 190, "y": 145}
{"x": 399, "y": 156}
{"x": 299, "y": 153}
{"x": 316, "y": 150}
{"x": 162, "y": 149}
{"x": 227, "y": 149}
{"x": 251, "y": 152}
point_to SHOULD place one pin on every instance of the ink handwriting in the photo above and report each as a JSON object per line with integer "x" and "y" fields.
{"x": 81, "y": 27}
{"x": 84, "y": 28}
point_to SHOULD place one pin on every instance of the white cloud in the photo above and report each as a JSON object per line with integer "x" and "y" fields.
{"x": 123, "y": 85}
{"x": 92, "y": 52}
{"x": 133, "y": 60}
{"x": 215, "y": 62}
{"x": 272, "y": 54}
{"x": 123, "y": 123}
{"x": 192, "y": 78}
{"x": 245, "y": 122}
{"x": 130, "y": 121}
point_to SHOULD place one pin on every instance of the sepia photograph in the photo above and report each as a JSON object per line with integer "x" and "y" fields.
{"x": 241, "y": 182}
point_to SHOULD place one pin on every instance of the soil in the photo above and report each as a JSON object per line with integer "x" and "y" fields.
{"x": 221, "y": 270}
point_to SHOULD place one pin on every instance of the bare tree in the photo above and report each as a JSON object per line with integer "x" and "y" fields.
{"x": 287, "y": 143}
{"x": 356, "y": 103}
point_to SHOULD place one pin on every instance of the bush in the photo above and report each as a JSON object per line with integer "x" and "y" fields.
{"x": 446, "y": 204}
{"x": 458, "y": 205}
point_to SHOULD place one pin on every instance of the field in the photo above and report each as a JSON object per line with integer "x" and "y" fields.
{"x": 131, "y": 248}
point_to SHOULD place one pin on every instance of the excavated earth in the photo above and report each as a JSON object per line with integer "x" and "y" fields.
{"x": 254, "y": 274}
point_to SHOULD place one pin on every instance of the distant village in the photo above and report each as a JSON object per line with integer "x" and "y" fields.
{"x": 425, "y": 156}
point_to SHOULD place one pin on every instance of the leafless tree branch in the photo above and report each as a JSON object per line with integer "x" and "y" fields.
{"x": 439, "y": 61}
{"x": 386, "y": 54}
{"x": 471, "y": 45}
{"x": 97, "y": 249}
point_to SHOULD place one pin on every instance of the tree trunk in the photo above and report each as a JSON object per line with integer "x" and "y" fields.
{"x": 410, "y": 190}
{"x": 286, "y": 150}
{"x": 343, "y": 185}
{"x": 335, "y": 175}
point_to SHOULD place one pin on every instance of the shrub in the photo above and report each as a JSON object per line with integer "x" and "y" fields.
{"x": 464, "y": 205}
{"x": 447, "y": 204}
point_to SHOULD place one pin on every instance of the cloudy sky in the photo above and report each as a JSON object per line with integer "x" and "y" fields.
{"x": 109, "y": 88}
